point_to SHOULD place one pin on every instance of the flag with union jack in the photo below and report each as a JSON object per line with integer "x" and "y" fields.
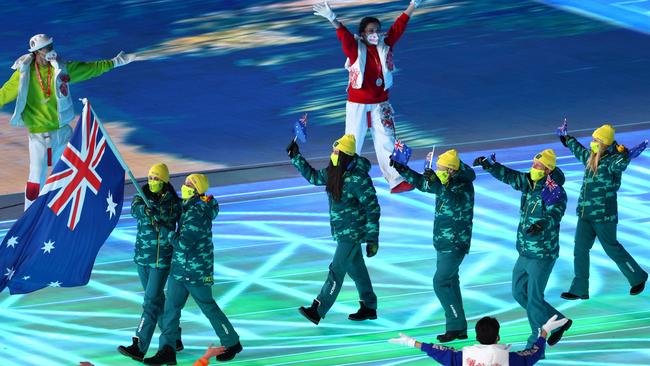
{"x": 300, "y": 128}
{"x": 552, "y": 192}
{"x": 55, "y": 242}
{"x": 401, "y": 153}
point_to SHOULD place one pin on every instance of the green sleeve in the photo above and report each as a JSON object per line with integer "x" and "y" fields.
{"x": 9, "y": 90}
{"x": 137, "y": 207}
{"x": 518, "y": 180}
{"x": 577, "y": 149}
{"x": 619, "y": 163}
{"x": 367, "y": 196}
{"x": 197, "y": 220}
{"x": 313, "y": 176}
{"x": 80, "y": 71}
{"x": 418, "y": 181}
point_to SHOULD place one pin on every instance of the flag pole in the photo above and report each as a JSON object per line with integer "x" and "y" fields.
{"x": 117, "y": 153}
{"x": 433, "y": 151}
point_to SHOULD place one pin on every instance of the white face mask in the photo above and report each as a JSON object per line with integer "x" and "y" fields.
{"x": 372, "y": 38}
{"x": 51, "y": 55}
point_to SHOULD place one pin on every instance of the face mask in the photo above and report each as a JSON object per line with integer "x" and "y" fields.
{"x": 335, "y": 159}
{"x": 536, "y": 174}
{"x": 372, "y": 38}
{"x": 443, "y": 175}
{"x": 155, "y": 185}
{"x": 595, "y": 147}
{"x": 51, "y": 55}
{"x": 187, "y": 192}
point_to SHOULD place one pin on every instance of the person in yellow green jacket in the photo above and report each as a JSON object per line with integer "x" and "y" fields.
{"x": 40, "y": 87}
{"x": 597, "y": 208}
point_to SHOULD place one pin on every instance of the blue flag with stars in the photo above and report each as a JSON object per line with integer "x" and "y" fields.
{"x": 55, "y": 242}
{"x": 401, "y": 153}
{"x": 300, "y": 128}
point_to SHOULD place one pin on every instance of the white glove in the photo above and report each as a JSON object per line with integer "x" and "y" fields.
{"x": 324, "y": 11}
{"x": 403, "y": 340}
{"x": 123, "y": 58}
{"x": 416, "y": 3}
{"x": 553, "y": 324}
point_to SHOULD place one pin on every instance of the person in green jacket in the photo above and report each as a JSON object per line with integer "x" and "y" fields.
{"x": 543, "y": 202}
{"x": 452, "y": 231}
{"x": 354, "y": 219}
{"x": 153, "y": 254}
{"x": 192, "y": 269}
{"x": 40, "y": 86}
{"x": 597, "y": 208}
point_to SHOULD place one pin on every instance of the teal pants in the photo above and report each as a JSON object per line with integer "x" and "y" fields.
{"x": 529, "y": 279}
{"x": 348, "y": 259}
{"x": 586, "y": 234}
{"x": 153, "y": 282}
{"x": 447, "y": 287}
{"x": 177, "y": 294}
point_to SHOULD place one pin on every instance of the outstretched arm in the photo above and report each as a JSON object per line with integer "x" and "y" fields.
{"x": 323, "y": 10}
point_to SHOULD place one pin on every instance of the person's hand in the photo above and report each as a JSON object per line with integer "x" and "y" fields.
{"x": 213, "y": 351}
{"x": 637, "y": 150}
{"x": 151, "y": 211}
{"x": 403, "y": 340}
{"x": 553, "y": 324}
{"x": 292, "y": 149}
{"x": 323, "y": 9}
{"x": 372, "y": 248}
{"x": 398, "y": 166}
{"x": 535, "y": 229}
{"x": 416, "y": 3}
{"x": 123, "y": 59}
{"x": 484, "y": 162}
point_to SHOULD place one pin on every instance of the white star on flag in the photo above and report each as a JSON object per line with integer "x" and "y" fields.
{"x": 47, "y": 248}
{"x": 54, "y": 284}
{"x": 26, "y": 278}
{"x": 111, "y": 206}
{"x": 12, "y": 242}
{"x": 10, "y": 273}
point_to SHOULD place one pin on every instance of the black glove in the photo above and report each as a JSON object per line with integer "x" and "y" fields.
{"x": 401, "y": 168}
{"x": 482, "y": 161}
{"x": 428, "y": 174}
{"x": 563, "y": 140}
{"x": 292, "y": 149}
{"x": 535, "y": 229}
{"x": 371, "y": 248}
{"x": 151, "y": 212}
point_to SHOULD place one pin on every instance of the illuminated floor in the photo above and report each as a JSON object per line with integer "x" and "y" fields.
{"x": 272, "y": 249}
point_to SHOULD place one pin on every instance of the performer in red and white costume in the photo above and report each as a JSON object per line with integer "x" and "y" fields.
{"x": 370, "y": 66}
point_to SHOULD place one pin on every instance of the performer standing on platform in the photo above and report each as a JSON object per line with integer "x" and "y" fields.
{"x": 191, "y": 273}
{"x": 452, "y": 231}
{"x": 370, "y": 66}
{"x": 543, "y": 202}
{"x": 597, "y": 208}
{"x": 44, "y": 104}
{"x": 354, "y": 219}
{"x": 153, "y": 254}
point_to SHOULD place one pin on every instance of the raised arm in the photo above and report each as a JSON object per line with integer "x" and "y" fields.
{"x": 516, "y": 179}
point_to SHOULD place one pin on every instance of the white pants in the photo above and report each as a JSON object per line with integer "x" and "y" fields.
{"x": 44, "y": 148}
{"x": 379, "y": 117}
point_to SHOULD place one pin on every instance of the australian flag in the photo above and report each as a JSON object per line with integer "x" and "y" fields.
{"x": 552, "y": 192}
{"x": 300, "y": 128}
{"x": 401, "y": 153}
{"x": 55, "y": 242}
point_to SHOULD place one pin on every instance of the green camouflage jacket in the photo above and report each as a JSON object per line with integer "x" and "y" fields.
{"x": 152, "y": 248}
{"x": 193, "y": 258}
{"x": 533, "y": 210}
{"x": 597, "y": 201}
{"x": 452, "y": 228}
{"x": 356, "y": 217}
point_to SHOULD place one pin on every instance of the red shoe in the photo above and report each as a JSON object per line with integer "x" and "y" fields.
{"x": 402, "y": 187}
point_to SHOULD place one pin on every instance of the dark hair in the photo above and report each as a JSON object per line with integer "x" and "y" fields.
{"x": 365, "y": 21}
{"x": 487, "y": 330}
{"x": 335, "y": 176}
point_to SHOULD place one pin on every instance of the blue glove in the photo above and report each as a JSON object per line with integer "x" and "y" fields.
{"x": 637, "y": 150}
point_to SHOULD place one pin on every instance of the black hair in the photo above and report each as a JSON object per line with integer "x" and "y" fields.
{"x": 335, "y": 176}
{"x": 487, "y": 330}
{"x": 365, "y": 21}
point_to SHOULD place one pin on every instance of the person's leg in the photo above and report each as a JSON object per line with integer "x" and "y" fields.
{"x": 153, "y": 305}
{"x": 520, "y": 282}
{"x": 359, "y": 274}
{"x": 177, "y": 294}
{"x": 584, "y": 241}
{"x": 37, "y": 167}
{"x": 356, "y": 122}
{"x": 606, "y": 232}
{"x": 337, "y": 271}
{"x": 383, "y": 136}
{"x": 220, "y": 323}
{"x": 447, "y": 289}
{"x": 539, "y": 311}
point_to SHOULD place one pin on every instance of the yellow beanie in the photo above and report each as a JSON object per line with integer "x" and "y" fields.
{"x": 449, "y": 159}
{"x": 546, "y": 157}
{"x": 160, "y": 171}
{"x": 346, "y": 144}
{"x": 604, "y": 133}
{"x": 200, "y": 182}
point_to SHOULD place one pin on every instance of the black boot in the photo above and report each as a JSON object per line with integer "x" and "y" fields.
{"x": 637, "y": 289}
{"x": 165, "y": 356}
{"x": 179, "y": 342}
{"x": 132, "y": 351}
{"x": 570, "y": 296}
{"x": 450, "y": 335}
{"x": 364, "y": 313}
{"x": 311, "y": 312}
{"x": 557, "y": 335}
{"x": 230, "y": 352}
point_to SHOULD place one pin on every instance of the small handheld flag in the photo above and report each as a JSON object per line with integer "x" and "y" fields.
{"x": 401, "y": 153}
{"x": 300, "y": 129}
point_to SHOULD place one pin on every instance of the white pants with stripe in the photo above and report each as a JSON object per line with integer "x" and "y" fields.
{"x": 379, "y": 118}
